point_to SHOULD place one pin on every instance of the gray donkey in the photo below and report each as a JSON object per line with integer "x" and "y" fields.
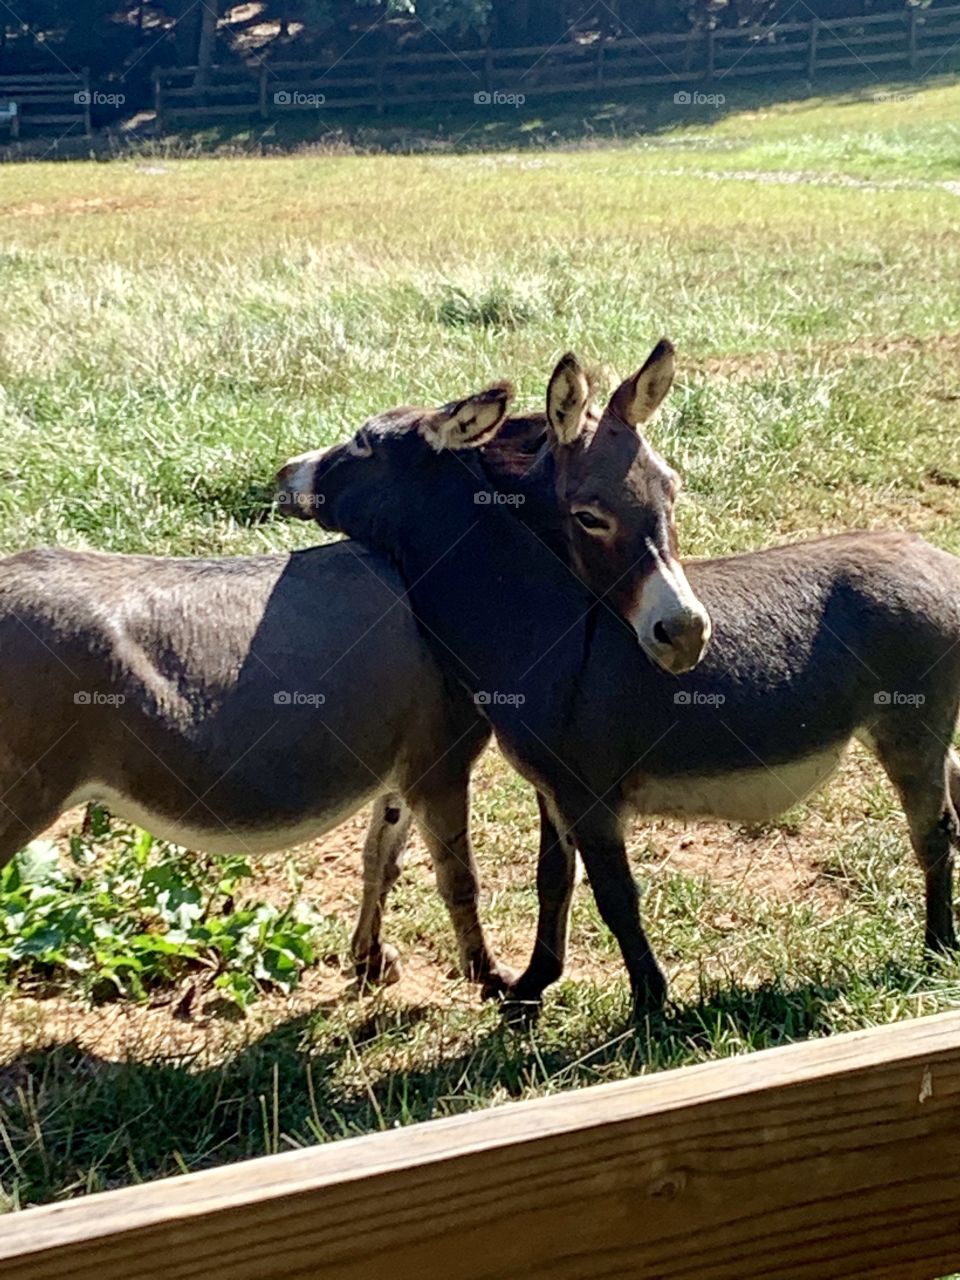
{"x": 257, "y": 702}
{"x": 813, "y": 644}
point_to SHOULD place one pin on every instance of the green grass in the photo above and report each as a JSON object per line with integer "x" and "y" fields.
{"x": 175, "y": 328}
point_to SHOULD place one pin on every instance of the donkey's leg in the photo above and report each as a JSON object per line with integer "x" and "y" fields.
{"x": 31, "y": 798}
{"x": 442, "y": 814}
{"x": 556, "y": 878}
{"x": 925, "y": 777}
{"x": 599, "y": 837}
{"x": 383, "y": 850}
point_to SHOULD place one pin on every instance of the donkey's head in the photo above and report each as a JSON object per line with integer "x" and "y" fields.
{"x": 616, "y": 497}
{"x": 355, "y": 487}
{"x": 613, "y": 492}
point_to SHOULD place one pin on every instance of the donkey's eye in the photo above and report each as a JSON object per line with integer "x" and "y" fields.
{"x": 591, "y": 521}
{"x": 360, "y": 447}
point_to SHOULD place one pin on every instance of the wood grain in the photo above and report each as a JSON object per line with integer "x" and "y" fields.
{"x": 831, "y": 1158}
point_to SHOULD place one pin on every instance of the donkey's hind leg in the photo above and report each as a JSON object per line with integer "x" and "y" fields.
{"x": 926, "y": 775}
{"x": 442, "y": 813}
{"x": 28, "y": 804}
{"x": 383, "y": 850}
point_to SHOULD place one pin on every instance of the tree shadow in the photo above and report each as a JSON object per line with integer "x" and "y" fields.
{"x": 548, "y": 121}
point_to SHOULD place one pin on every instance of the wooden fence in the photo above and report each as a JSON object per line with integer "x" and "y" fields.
{"x": 914, "y": 41}
{"x": 41, "y": 103}
{"x": 830, "y": 1158}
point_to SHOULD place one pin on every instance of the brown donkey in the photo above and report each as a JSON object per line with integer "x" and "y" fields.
{"x": 608, "y": 512}
{"x": 246, "y": 703}
{"x": 813, "y": 644}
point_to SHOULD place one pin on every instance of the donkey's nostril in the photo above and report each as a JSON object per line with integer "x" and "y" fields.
{"x": 661, "y": 634}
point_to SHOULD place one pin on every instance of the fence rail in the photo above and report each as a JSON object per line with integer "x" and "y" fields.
{"x": 821, "y": 1160}
{"x": 39, "y": 103}
{"x": 915, "y": 40}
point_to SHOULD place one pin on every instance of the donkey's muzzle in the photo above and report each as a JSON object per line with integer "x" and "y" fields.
{"x": 671, "y": 624}
{"x": 680, "y": 641}
{"x": 296, "y": 495}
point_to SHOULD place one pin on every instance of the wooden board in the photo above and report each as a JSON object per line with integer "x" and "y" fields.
{"x": 830, "y": 1158}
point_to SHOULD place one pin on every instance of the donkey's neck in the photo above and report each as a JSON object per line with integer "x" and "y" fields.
{"x": 493, "y": 600}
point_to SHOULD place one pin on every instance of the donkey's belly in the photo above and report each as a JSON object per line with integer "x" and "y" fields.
{"x": 220, "y": 833}
{"x": 743, "y": 795}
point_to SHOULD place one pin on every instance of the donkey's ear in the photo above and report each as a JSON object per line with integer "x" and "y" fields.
{"x": 467, "y": 424}
{"x": 568, "y": 399}
{"x": 638, "y": 399}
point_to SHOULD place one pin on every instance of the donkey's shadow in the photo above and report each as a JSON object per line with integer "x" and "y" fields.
{"x": 76, "y": 1122}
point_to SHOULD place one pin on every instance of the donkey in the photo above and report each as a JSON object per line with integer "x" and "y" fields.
{"x": 238, "y": 703}
{"x": 253, "y": 703}
{"x": 814, "y": 644}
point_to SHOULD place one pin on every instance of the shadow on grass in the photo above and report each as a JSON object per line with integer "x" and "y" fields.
{"x": 71, "y": 1122}
{"x": 542, "y": 121}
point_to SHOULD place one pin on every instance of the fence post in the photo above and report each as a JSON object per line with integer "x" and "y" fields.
{"x": 914, "y": 58}
{"x": 812, "y": 51}
{"x": 157, "y": 100}
{"x": 262, "y": 90}
{"x": 379, "y": 74}
{"x": 600, "y": 63}
{"x": 709, "y": 68}
{"x": 87, "y": 122}
{"x": 488, "y": 67}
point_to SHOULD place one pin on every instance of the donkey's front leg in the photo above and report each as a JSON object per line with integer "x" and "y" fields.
{"x": 442, "y": 815}
{"x": 556, "y": 878}
{"x": 599, "y": 836}
{"x": 383, "y": 850}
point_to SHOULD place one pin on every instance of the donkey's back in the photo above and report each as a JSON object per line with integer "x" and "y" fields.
{"x": 254, "y": 700}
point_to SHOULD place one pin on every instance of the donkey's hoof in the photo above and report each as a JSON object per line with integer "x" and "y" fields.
{"x": 941, "y": 943}
{"x": 498, "y": 983}
{"x": 380, "y": 967}
{"x": 522, "y": 1003}
{"x": 520, "y": 1013}
{"x": 650, "y": 996}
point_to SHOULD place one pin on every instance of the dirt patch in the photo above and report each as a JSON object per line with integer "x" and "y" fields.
{"x": 749, "y": 364}
{"x": 781, "y": 862}
{"x": 78, "y": 205}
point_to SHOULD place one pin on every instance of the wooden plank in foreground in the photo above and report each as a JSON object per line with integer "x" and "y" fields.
{"x": 829, "y": 1158}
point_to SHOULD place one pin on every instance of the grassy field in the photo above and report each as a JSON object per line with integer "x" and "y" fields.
{"x": 175, "y": 328}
